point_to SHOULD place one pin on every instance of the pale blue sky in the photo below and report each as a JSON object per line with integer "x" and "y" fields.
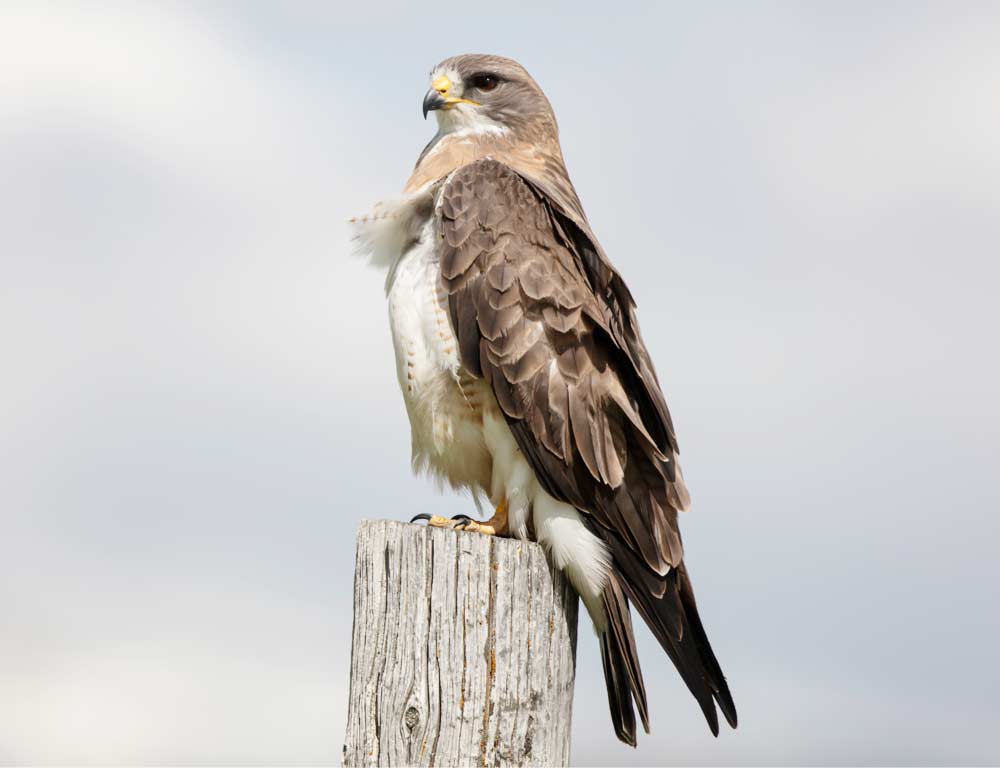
{"x": 198, "y": 404}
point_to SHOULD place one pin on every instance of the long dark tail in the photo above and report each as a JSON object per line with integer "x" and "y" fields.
{"x": 667, "y": 605}
{"x": 621, "y": 664}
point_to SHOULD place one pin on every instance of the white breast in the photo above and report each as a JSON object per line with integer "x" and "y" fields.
{"x": 445, "y": 407}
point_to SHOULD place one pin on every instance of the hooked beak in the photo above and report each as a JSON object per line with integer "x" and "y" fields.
{"x": 438, "y": 97}
{"x": 433, "y": 100}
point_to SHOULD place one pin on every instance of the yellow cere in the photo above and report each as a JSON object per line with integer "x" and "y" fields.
{"x": 443, "y": 85}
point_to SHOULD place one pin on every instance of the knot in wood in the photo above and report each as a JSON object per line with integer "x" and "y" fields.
{"x": 411, "y": 717}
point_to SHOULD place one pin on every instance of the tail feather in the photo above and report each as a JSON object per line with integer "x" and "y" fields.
{"x": 619, "y": 694}
{"x": 720, "y": 688}
{"x": 669, "y": 609}
{"x": 622, "y": 673}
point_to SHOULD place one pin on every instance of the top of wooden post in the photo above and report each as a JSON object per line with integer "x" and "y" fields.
{"x": 463, "y": 650}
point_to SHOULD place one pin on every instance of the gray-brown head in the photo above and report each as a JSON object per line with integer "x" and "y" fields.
{"x": 476, "y": 93}
{"x": 489, "y": 106}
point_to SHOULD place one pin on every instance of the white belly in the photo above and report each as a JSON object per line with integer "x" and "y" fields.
{"x": 444, "y": 406}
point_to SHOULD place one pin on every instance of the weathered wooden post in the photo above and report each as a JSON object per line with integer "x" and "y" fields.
{"x": 463, "y": 653}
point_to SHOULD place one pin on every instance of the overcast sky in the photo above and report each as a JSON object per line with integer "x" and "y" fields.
{"x": 198, "y": 403}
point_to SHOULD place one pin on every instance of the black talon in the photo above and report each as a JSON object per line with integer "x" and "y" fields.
{"x": 464, "y": 521}
{"x": 421, "y": 516}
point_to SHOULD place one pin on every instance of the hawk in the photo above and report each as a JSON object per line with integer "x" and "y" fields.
{"x": 525, "y": 377}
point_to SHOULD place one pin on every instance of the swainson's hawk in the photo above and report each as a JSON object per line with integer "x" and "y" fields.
{"x": 525, "y": 377}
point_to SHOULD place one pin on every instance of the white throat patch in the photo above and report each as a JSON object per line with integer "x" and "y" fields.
{"x": 467, "y": 120}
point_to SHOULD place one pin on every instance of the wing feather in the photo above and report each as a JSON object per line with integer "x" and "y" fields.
{"x": 543, "y": 317}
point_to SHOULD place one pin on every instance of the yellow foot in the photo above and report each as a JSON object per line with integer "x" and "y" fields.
{"x": 495, "y": 526}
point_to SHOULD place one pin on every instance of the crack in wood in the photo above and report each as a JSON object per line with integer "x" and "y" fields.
{"x": 491, "y": 651}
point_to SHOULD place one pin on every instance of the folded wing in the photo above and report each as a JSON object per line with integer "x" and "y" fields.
{"x": 542, "y": 316}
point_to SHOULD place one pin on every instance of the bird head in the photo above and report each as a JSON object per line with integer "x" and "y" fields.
{"x": 475, "y": 93}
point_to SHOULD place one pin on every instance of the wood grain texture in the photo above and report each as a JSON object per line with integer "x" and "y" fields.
{"x": 463, "y": 651}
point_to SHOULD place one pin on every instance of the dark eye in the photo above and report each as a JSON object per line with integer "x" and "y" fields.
{"x": 484, "y": 82}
